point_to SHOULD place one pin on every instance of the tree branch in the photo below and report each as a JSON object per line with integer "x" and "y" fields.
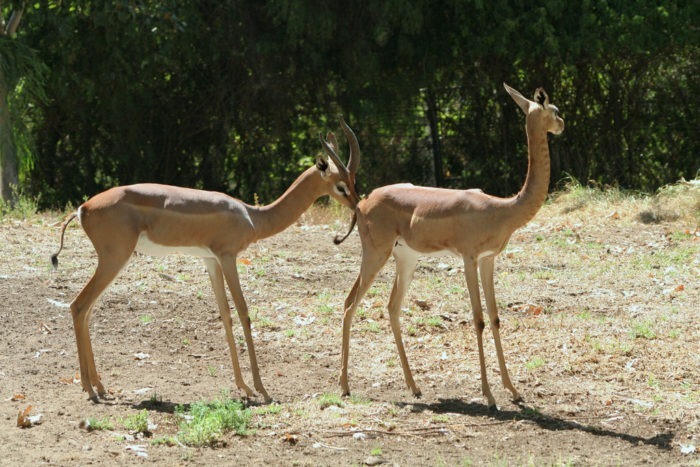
{"x": 15, "y": 18}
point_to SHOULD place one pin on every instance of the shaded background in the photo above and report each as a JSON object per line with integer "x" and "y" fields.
{"x": 231, "y": 95}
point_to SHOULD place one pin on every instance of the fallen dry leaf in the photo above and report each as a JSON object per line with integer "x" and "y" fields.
{"x": 74, "y": 380}
{"x": 244, "y": 261}
{"x": 529, "y": 309}
{"x": 23, "y": 418}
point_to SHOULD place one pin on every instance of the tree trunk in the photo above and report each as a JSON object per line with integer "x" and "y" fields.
{"x": 9, "y": 167}
{"x": 435, "y": 137}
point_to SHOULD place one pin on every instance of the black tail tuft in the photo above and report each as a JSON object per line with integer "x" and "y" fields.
{"x": 338, "y": 239}
{"x": 54, "y": 257}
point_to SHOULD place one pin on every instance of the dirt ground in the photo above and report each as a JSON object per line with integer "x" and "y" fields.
{"x": 598, "y": 303}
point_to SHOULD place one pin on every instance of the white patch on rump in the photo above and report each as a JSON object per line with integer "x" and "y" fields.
{"x": 148, "y": 247}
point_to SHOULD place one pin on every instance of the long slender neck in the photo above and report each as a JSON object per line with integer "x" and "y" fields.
{"x": 533, "y": 193}
{"x": 280, "y": 214}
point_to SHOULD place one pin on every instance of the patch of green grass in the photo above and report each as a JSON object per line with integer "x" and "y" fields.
{"x": 137, "y": 422}
{"x": 544, "y": 274}
{"x": 204, "y": 423}
{"x": 620, "y": 347}
{"x": 535, "y": 362}
{"x": 376, "y": 451}
{"x": 270, "y": 409}
{"x": 359, "y": 400}
{"x": 434, "y": 321}
{"x": 372, "y": 326}
{"x": 643, "y": 329}
{"x": 164, "y": 441}
{"x": 211, "y": 370}
{"x": 145, "y": 319}
{"x": 23, "y": 207}
{"x": 329, "y": 399}
{"x": 585, "y": 314}
{"x": 324, "y": 307}
{"x": 94, "y": 424}
{"x": 265, "y": 322}
{"x": 652, "y": 382}
{"x": 289, "y": 333}
{"x": 680, "y": 236}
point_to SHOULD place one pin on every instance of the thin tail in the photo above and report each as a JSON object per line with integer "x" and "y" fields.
{"x": 338, "y": 240}
{"x": 54, "y": 257}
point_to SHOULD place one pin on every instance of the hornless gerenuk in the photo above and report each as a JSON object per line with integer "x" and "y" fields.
{"x": 409, "y": 221}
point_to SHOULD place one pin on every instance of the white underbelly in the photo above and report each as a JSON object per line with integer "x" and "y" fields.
{"x": 402, "y": 248}
{"x": 146, "y": 246}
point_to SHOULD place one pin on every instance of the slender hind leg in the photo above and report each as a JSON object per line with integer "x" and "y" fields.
{"x": 217, "y": 283}
{"x": 108, "y": 267}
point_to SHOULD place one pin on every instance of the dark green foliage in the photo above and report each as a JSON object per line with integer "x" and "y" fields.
{"x": 231, "y": 95}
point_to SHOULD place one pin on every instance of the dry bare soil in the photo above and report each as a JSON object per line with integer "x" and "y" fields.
{"x": 598, "y": 301}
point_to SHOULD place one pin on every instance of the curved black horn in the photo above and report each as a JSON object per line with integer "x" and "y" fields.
{"x": 330, "y": 137}
{"x": 354, "y": 158}
{"x": 331, "y": 153}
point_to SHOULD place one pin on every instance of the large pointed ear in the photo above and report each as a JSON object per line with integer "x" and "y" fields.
{"x": 541, "y": 97}
{"x": 322, "y": 159}
{"x": 519, "y": 99}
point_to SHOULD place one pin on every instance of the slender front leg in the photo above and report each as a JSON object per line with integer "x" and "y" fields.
{"x": 486, "y": 269}
{"x": 405, "y": 266}
{"x": 217, "y": 283}
{"x": 372, "y": 262}
{"x": 228, "y": 264}
{"x": 470, "y": 273}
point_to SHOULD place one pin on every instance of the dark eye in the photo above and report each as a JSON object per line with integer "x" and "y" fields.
{"x": 342, "y": 188}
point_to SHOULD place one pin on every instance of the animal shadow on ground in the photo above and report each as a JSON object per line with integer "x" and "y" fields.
{"x": 169, "y": 407}
{"x": 530, "y": 414}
